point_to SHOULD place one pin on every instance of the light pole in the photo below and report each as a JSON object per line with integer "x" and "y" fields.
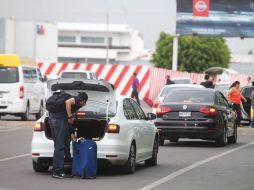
{"x": 107, "y": 39}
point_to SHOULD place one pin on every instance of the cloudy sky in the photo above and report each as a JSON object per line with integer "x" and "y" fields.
{"x": 150, "y": 17}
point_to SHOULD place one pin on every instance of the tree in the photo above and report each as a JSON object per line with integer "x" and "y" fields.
{"x": 195, "y": 54}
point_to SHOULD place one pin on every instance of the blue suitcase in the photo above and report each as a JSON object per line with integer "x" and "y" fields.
{"x": 84, "y": 160}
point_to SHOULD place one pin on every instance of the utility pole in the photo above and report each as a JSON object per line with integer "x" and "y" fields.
{"x": 175, "y": 52}
{"x": 107, "y": 40}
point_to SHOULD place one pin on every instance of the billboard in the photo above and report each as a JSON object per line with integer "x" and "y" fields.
{"x": 226, "y": 18}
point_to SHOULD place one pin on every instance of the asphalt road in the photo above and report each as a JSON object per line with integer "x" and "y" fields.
{"x": 189, "y": 164}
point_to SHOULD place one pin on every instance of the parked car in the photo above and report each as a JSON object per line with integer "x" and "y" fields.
{"x": 21, "y": 87}
{"x": 246, "y": 106}
{"x": 123, "y": 133}
{"x": 196, "y": 113}
{"x": 168, "y": 88}
{"x": 78, "y": 74}
{"x": 182, "y": 80}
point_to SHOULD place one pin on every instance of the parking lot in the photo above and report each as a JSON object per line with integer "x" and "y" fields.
{"x": 198, "y": 163}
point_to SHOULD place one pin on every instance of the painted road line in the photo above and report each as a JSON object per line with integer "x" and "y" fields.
{"x": 191, "y": 167}
{"x": 15, "y": 157}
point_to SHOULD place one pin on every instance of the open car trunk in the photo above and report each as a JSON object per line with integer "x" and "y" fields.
{"x": 87, "y": 128}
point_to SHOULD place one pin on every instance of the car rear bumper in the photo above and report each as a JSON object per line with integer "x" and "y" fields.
{"x": 189, "y": 129}
{"x": 15, "y": 106}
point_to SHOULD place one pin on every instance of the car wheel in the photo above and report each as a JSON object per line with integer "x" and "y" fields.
{"x": 153, "y": 161}
{"x": 222, "y": 139}
{"x": 233, "y": 139}
{"x": 174, "y": 139}
{"x": 40, "y": 113}
{"x": 161, "y": 141}
{"x": 130, "y": 166}
{"x": 25, "y": 116}
{"x": 39, "y": 167}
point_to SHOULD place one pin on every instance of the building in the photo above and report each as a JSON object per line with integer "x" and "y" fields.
{"x": 35, "y": 40}
{"x": 98, "y": 43}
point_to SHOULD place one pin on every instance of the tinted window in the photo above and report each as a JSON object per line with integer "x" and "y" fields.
{"x": 128, "y": 109}
{"x": 190, "y": 96}
{"x": 9, "y": 75}
{"x": 138, "y": 110}
{"x": 40, "y": 75}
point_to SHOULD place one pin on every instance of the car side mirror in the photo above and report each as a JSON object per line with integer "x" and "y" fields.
{"x": 151, "y": 116}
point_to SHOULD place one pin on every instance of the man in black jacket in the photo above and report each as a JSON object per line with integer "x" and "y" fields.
{"x": 60, "y": 123}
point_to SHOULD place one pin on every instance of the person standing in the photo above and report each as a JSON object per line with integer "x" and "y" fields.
{"x": 209, "y": 81}
{"x": 234, "y": 97}
{"x": 252, "y": 110}
{"x": 169, "y": 81}
{"x": 135, "y": 85}
{"x": 60, "y": 123}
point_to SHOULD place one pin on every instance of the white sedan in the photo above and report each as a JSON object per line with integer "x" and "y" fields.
{"x": 123, "y": 133}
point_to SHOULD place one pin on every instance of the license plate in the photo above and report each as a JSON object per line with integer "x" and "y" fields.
{"x": 184, "y": 114}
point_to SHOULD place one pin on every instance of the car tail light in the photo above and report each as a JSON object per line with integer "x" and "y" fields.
{"x": 113, "y": 128}
{"x": 81, "y": 114}
{"x": 156, "y": 103}
{"x": 162, "y": 110}
{"x": 208, "y": 111}
{"x": 39, "y": 126}
{"x": 21, "y": 92}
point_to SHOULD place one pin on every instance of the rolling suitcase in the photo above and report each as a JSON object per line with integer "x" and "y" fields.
{"x": 84, "y": 161}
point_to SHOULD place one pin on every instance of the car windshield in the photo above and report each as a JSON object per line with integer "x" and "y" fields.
{"x": 190, "y": 96}
{"x": 9, "y": 75}
{"x": 74, "y": 75}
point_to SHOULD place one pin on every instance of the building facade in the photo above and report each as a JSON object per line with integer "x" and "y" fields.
{"x": 35, "y": 40}
{"x": 98, "y": 43}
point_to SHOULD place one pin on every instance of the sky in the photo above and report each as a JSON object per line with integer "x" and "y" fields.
{"x": 149, "y": 17}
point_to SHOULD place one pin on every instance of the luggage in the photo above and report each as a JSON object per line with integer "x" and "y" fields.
{"x": 84, "y": 160}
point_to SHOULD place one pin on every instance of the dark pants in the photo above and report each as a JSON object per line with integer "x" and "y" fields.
{"x": 59, "y": 129}
{"x": 134, "y": 94}
{"x": 237, "y": 109}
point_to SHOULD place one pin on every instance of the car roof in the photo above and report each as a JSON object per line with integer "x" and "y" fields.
{"x": 176, "y": 78}
{"x": 76, "y": 71}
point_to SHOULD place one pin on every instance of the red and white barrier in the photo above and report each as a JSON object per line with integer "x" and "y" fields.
{"x": 151, "y": 79}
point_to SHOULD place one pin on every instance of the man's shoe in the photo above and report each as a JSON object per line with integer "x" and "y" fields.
{"x": 58, "y": 176}
{"x": 62, "y": 176}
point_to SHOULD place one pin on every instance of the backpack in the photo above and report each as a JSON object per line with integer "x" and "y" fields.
{"x": 56, "y": 102}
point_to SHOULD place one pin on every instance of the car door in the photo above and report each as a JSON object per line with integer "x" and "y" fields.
{"x": 135, "y": 127}
{"x": 228, "y": 112}
{"x": 146, "y": 129}
{"x": 245, "y": 106}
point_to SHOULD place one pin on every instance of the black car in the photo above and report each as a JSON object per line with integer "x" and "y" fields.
{"x": 196, "y": 114}
{"x": 246, "y": 106}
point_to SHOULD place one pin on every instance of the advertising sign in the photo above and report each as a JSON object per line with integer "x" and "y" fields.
{"x": 226, "y": 18}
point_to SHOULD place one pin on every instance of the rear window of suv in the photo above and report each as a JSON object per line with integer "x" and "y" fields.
{"x": 9, "y": 75}
{"x": 190, "y": 96}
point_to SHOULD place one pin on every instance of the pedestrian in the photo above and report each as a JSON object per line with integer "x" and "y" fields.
{"x": 169, "y": 81}
{"x": 234, "y": 97}
{"x": 252, "y": 109}
{"x": 249, "y": 80}
{"x": 135, "y": 85}
{"x": 60, "y": 123}
{"x": 209, "y": 81}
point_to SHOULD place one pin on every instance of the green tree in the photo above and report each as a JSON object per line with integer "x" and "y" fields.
{"x": 195, "y": 54}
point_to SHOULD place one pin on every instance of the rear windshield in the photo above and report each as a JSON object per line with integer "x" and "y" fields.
{"x": 98, "y": 109}
{"x": 182, "y": 81}
{"x": 74, "y": 75}
{"x": 9, "y": 75}
{"x": 190, "y": 96}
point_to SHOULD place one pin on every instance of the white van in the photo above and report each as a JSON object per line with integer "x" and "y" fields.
{"x": 21, "y": 87}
